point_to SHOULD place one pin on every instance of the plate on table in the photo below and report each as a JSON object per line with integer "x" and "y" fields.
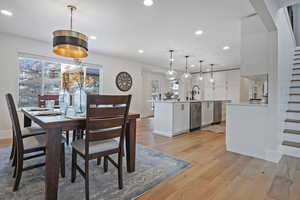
{"x": 48, "y": 113}
{"x": 38, "y": 109}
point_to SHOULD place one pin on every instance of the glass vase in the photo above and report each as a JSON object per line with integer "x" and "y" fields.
{"x": 64, "y": 101}
{"x": 80, "y": 102}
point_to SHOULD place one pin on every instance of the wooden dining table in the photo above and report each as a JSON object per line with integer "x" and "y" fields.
{"x": 53, "y": 126}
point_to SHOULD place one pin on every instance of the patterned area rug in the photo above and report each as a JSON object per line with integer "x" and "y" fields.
{"x": 152, "y": 168}
{"x": 219, "y": 128}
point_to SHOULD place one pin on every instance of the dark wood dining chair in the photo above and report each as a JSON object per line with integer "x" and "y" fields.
{"x": 105, "y": 131}
{"x": 42, "y": 103}
{"x": 28, "y": 143}
{"x": 43, "y": 98}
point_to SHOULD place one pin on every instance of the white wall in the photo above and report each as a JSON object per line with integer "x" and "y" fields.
{"x": 254, "y": 47}
{"x": 278, "y": 44}
{"x": 11, "y": 45}
{"x": 148, "y": 77}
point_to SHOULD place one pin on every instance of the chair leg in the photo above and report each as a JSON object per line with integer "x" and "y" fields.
{"x": 98, "y": 161}
{"x": 62, "y": 161}
{"x": 87, "y": 189}
{"x": 19, "y": 167}
{"x": 105, "y": 164}
{"x": 67, "y": 137}
{"x": 74, "y": 161}
{"x": 120, "y": 170}
{"x": 12, "y": 149}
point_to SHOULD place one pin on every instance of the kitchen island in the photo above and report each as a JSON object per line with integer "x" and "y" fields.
{"x": 172, "y": 118}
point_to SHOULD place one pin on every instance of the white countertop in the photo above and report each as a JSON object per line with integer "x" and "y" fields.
{"x": 249, "y": 104}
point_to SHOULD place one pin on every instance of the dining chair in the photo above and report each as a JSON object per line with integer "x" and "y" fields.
{"x": 105, "y": 131}
{"x": 28, "y": 143}
{"x": 42, "y": 103}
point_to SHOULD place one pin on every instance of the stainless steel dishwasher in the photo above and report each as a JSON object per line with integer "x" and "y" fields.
{"x": 217, "y": 112}
{"x": 195, "y": 115}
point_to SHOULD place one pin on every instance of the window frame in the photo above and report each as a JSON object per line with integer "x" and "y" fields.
{"x": 44, "y": 59}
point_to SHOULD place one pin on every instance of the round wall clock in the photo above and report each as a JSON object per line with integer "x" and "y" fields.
{"x": 124, "y": 81}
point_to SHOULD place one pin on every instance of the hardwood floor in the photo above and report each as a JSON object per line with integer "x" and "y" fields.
{"x": 216, "y": 174}
{"x": 219, "y": 175}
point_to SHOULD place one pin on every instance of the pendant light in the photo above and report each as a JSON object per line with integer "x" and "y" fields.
{"x": 69, "y": 43}
{"x": 200, "y": 77}
{"x": 186, "y": 75}
{"x": 171, "y": 74}
{"x": 211, "y": 73}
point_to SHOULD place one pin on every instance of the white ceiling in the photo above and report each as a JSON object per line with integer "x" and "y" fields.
{"x": 122, "y": 27}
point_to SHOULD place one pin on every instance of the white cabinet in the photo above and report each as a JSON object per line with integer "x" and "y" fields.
{"x": 181, "y": 117}
{"x": 171, "y": 118}
{"x": 207, "y": 113}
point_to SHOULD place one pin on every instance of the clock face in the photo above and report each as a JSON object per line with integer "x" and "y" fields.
{"x": 124, "y": 81}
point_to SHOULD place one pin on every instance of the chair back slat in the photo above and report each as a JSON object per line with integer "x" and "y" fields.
{"x": 106, "y": 118}
{"x": 108, "y": 111}
{"x": 104, "y": 123}
{"x": 108, "y": 99}
{"x": 15, "y": 122}
{"x": 104, "y": 134}
{"x": 43, "y": 98}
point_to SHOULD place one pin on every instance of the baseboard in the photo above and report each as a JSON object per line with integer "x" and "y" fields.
{"x": 4, "y": 134}
{"x": 273, "y": 156}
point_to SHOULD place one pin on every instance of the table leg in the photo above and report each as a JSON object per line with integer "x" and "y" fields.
{"x": 27, "y": 121}
{"x": 131, "y": 145}
{"x": 53, "y": 149}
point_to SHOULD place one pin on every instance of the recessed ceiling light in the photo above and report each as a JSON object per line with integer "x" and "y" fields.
{"x": 141, "y": 51}
{"x": 6, "y": 12}
{"x": 93, "y": 37}
{"x": 199, "y": 32}
{"x": 207, "y": 69}
{"x": 226, "y": 48}
{"x": 192, "y": 65}
{"x": 148, "y": 3}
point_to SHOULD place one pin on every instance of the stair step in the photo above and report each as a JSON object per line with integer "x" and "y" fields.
{"x": 296, "y": 74}
{"x": 294, "y": 102}
{"x": 291, "y": 144}
{"x": 296, "y": 68}
{"x": 294, "y": 94}
{"x": 290, "y": 131}
{"x": 292, "y": 120}
{"x": 296, "y": 58}
{"x": 294, "y": 86}
{"x": 295, "y": 80}
{"x": 295, "y": 111}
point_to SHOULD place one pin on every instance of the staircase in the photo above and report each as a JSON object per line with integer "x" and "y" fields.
{"x": 291, "y": 133}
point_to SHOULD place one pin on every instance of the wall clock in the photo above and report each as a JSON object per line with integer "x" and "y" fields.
{"x": 124, "y": 81}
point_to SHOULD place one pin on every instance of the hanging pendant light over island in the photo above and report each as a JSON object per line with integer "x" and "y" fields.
{"x": 186, "y": 75}
{"x": 171, "y": 74}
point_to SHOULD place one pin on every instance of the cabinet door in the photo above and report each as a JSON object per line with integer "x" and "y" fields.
{"x": 181, "y": 117}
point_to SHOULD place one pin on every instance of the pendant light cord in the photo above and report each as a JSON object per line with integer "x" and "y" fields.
{"x": 72, "y": 8}
{"x": 171, "y": 60}
{"x": 186, "y": 63}
{"x": 211, "y": 70}
{"x": 201, "y": 61}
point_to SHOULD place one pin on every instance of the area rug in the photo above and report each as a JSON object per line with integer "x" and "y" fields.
{"x": 152, "y": 168}
{"x": 219, "y": 128}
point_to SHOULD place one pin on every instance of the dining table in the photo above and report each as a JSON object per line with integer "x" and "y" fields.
{"x": 53, "y": 126}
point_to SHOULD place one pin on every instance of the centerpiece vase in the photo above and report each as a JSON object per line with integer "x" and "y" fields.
{"x": 80, "y": 99}
{"x": 64, "y": 101}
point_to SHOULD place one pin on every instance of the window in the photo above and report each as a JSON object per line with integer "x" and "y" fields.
{"x": 42, "y": 76}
